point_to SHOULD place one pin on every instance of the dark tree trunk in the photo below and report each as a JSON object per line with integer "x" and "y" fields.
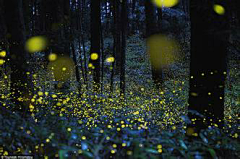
{"x": 123, "y": 46}
{"x": 151, "y": 28}
{"x": 117, "y": 35}
{"x": 2, "y": 28}
{"x": 209, "y": 37}
{"x": 95, "y": 39}
{"x": 20, "y": 87}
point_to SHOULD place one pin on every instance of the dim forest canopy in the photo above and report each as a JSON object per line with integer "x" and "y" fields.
{"x": 141, "y": 79}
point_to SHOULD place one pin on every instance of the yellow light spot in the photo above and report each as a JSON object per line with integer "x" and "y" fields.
{"x": 220, "y": 97}
{"x": 2, "y": 61}
{"x": 54, "y": 96}
{"x": 162, "y": 50}
{"x": 69, "y": 129}
{"x": 124, "y": 144}
{"x": 209, "y": 93}
{"x": 160, "y": 150}
{"x": 118, "y": 129}
{"x": 219, "y": 9}
{"x": 108, "y": 138}
{"x": 3, "y": 53}
{"x": 159, "y": 146}
{"x": 83, "y": 137}
{"x": 110, "y": 59}
{"x": 52, "y": 57}
{"x": 236, "y": 135}
{"x": 136, "y": 113}
{"x": 114, "y": 146}
{"x": 165, "y": 3}
{"x": 40, "y": 93}
{"x": 90, "y": 65}
{"x": 47, "y": 140}
{"x": 36, "y": 44}
{"x": 194, "y": 94}
{"x": 129, "y": 153}
{"x": 202, "y": 74}
{"x": 58, "y": 71}
{"x": 94, "y": 56}
{"x": 64, "y": 69}
{"x": 112, "y": 151}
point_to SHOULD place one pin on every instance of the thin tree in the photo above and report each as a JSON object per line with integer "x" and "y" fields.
{"x": 20, "y": 86}
{"x": 209, "y": 36}
{"x": 123, "y": 46}
{"x": 95, "y": 39}
{"x": 151, "y": 28}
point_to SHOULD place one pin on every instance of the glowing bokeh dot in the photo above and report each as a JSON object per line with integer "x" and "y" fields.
{"x": 59, "y": 67}
{"x": 2, "y": 61}
{"x": 90, "y": 65}
{"x": 36, "y": 44}
{"x": 162, "y": 50}
{"x": 219, "y": 9}
{"x": 52, "y": 57}
{"x": 3, "y": 53}
{"x": 94, "y": 56}
{"x": 110, "y": 59}
{"x": 165, "y": 3}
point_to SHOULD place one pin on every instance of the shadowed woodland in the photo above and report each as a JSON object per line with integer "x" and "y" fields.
{"x": 120, "y": 79}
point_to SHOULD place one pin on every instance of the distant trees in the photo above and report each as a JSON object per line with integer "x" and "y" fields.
{"x": 209, "y": 36}
{"x": 20, "y": 86}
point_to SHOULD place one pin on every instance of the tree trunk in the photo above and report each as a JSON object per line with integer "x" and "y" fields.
{"x": 123, "y": 46}
{"x": 20, "y": 87}
{"x": 209, "y": 37}
{"x": 151, "y": 28}
{"x": 95, "y": 39}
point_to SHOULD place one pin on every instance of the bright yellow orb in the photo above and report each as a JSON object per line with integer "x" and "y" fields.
{"x": 36, "y": 44}
{"x": 90, "y": 65}
{"x": 64, "y": 69}
{"x": 110, "y": 59}
{"x": 165, "y": 3}
{"x": 52, "y": 57}
{"x": 60, "y": 66}
{"x": 3, "y": 53}
{"x": 94, "y": 56}
{"x": 2, "y": 61}
{"x": 219, "y": 9}
{"x": 162, "y": 50}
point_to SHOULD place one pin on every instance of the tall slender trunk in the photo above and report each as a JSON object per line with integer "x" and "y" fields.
{"x": 209, "y": 38}
{"x": 151, "y": 28}
{"x": 20, "y": 86}
{"x": 95, "y": 39}
{"x": 123, "y": 46}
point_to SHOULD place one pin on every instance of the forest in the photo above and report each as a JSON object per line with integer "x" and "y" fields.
{"x": 141, "y": 79}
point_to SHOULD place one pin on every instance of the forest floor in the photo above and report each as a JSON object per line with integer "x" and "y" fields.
{"x": 145, "y": 124}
